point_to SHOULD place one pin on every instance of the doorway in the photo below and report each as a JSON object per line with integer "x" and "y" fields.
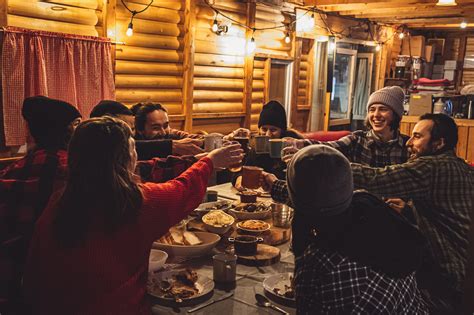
{"x": 280, "y": 83}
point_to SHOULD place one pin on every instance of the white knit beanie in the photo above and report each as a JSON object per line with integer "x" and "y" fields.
{"x": 391, "y": 96}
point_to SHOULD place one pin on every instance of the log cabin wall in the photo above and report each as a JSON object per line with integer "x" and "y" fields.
{"x": 205, "y": 80}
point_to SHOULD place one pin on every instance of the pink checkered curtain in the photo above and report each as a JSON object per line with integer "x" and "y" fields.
{"x": 73, "y": 68}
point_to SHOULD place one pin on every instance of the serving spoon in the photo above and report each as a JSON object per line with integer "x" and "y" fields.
{"x": 264, "y": 302}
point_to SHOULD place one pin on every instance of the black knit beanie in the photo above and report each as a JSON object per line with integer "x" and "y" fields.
{"x": 48, "y": 119}
{"x": 111, "y": 108}
{"x": 273, "y": 113}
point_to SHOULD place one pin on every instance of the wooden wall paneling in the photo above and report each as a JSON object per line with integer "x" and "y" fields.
{"x": 470, "y": 145}
{"x": 463, "y": 136}
{"x": 460, "y": 59}
{"x": 188, "y": 62}
{"x": 109, "y": 27}
{"x": 249, "y": 65}
{"x": 266, "y": 80}
{"x": 298, "y": 43}
{"x": 4, "y": 13}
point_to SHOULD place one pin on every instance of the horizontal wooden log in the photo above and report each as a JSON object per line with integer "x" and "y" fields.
{"x": 151, "y": 41}
{"x": 218, "y": 72}
{"x": 260, "y": 64}
{"x": 228, "y": 5}
{"x": 269, "y": 16}
{"x": 303, "y": 75}
{"x": 258, "y": 74}
{"x": 173, "y": 108}
{"x": 272, "y": 44}
{"x": 257, "y": 96}
{"x": 220, "y": 125}
{"x": 221, "y": 96}
{"x": 258, "y": 84}
{"x": 217, "y": 107}
{"x": 256, "y": 108}
{"x": 140, "y": 67}
{"x": 51, "y": 26}
{"x": 302, "y": 83}
{"x": 260, "y": 51}
{"x": 148, "y": 54}
{"x": 38, "y": 10}
{"x": 218, "y": 60}
{"x": 87, "y": 4}
{"x": 151, "y": 27}
{"x": 302, "y": 92}
{"x": 302, "y": 100}
{"x": 204, "y": 25}
{"x": 168, "y": 4}
{"x": 304, "y": 58}
{"x": 204, "y": 12}
{"x": 226, "y": 47}
{"x": 152, "y": 13}
{"x": 220, "y": 83}
{"x": 141, "y": 95}
{"x": 303, "y": 65}
{"x": 147, "y": 81}
{"x": 254, "y": 118}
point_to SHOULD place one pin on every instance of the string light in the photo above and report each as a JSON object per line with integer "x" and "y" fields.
{"x": 463, "y": 24}
{"x": 251, "y": 46}
{"x": 134, "y": 12}
{"x": 215, "y": 27}
{"x": 287, "y": 38}
{"x": 378, "y": 47}
{"x": 401, "y": 35}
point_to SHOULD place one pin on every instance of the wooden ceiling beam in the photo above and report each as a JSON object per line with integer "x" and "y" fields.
{"x": 414, "y": 14}
{"x": 311, "y": 3}
{"x": 370, "y": 6}
{"x": 383, "y": 11}
{"x": 440, "y": 26}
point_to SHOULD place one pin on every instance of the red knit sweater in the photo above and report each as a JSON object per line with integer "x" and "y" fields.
{"x": 108, "y": 275}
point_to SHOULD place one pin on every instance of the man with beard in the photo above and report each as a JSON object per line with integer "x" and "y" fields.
{"x": 152, "y": 123}
{"x": 26, "y": 185}
{"x": 441, "y": 186}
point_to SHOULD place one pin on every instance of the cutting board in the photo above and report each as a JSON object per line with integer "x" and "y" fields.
{"x": 266, "y": 255}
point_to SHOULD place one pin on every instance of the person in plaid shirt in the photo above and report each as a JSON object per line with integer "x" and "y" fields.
{"x": 382, "y": 144}
{"x": 350, "y": 258}
{"x": 26, "y": 185}
{"x": 441, "y": 186}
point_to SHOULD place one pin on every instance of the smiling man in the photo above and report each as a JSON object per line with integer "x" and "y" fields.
{"x": 441, "y": 186}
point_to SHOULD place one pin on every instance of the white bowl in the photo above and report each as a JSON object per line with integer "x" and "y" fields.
{"x": 209, "y": 241}
{"x": 218, "y": 229}
{"x": 157, "y": 260}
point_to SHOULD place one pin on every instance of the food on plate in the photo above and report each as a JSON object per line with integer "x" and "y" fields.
{"x": 288, "y": 291}
{"x": 255, "y": 225}
{"x": 179, "y": 237}
{"x": 182, "y": 285}
{"x": 251, "y": 207}
{"x": 218, "y": 205}
{"x": 217, "y": 218}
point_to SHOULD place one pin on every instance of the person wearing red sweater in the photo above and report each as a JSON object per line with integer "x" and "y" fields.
{"x": 89, "y": 252}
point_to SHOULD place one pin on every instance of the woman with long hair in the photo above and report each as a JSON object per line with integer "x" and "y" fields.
{"x": 89, "y": 253}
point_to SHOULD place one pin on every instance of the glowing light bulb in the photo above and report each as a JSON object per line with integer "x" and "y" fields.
{"x": 378, "y": 47}
{"x": 130, "y": 29}
{"x": 446, "y": 3}
{"x": 401, "y": 35}
{"x": 214, "y": 27}
{"x": 463, "y": 24}
{"x": 332, "y": 47}
{"x": 287, "y": 38}
{"x": 251, "y": 46}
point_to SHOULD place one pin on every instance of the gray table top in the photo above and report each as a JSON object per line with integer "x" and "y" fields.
{"x": 249, "y": 281}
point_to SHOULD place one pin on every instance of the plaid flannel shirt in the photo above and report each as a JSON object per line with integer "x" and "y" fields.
{"x": 25, "y": 188}
{"x": 329, "y": 283}
{"x": 366, "y": 148}
{"x": 442, "y": 188}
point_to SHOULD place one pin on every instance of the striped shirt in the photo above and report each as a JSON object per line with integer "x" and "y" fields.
{"x": 366, "y": 148}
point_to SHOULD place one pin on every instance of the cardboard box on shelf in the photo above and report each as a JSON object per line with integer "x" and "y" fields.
{"x": 413, "y": 46}
{"x": 429, "y": 53}
{"x": 450, "y": 64}
{"x": 420, "y": 104}
{"x": 450, "y": 75}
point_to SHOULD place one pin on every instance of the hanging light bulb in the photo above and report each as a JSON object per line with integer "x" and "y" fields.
{"x": 401, "y": 35}
{"x": 251, "y": 46}
{"x": 463, "y": 24}
{"x": 446, "y": 3}
{"x": 287, "y": 38}
{"x": 378, "y": 47}
{"x": 214, "y": 27}
{"x": 130, "y": 29}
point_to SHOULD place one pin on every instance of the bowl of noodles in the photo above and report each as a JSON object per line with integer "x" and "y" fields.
{"x": 217, "y": 221}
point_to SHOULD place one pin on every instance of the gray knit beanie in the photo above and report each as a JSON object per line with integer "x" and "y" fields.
{"x": 319, "y": 181}
{"x": 391, "y": 96}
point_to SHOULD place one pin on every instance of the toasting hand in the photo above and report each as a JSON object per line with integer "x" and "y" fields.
{"x": 187, "y": 146}
{"x": 226, "y": 156}
{"x": 267, "y": 180}
{"x": 396, "y": 204}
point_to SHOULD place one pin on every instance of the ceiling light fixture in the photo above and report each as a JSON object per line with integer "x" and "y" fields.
{"x": 463, "y": 24}
{"x": 287, "y": 38}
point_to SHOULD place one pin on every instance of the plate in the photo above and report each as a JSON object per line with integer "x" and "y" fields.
{"x": 204, "y": 285}
{"x": 251, "y": 231}
{"x": 204, "y": 208}
{"x": 278, "y": 281}
{"x": 246, "y": 215}
{"x": 209, "y": 241}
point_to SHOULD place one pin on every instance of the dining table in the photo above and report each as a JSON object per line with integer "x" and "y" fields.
{"x": 249, "y": 279}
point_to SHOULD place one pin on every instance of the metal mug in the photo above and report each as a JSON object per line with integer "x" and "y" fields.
{"x": 212, "y": 141}
{"x": 282, "y": 215}
{"x": 224, "y": 268}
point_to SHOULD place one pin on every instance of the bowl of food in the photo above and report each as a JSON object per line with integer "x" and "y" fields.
{"x": 254, "y": 227}
{"x": 184, "y": 243}
{"x": 217, "y": 221}
{"x": 248, "y": 196}
{"x": 157, "y": 260}
{"x": 204, "y": 208}
{"x": 251, "y": 211}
